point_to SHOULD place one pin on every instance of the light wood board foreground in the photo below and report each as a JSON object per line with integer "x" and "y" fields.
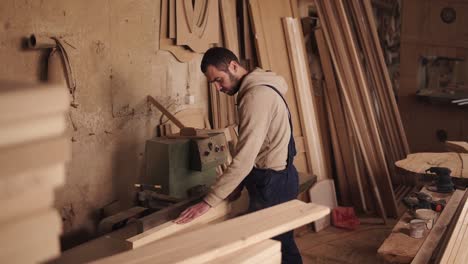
{"x": 170, "y": 228}
{"x": 217, "y": 240}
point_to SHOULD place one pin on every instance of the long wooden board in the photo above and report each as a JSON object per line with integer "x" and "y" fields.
{"x": 237, "y": 233}
{"x": 41, "y": 153}
{"x": 432, "y": 240}
{"x": 170, "y": 228}
{"x": 23, "y": 101}
{"x": 258, "y": 253}
{"x": 308, "y": 111}
{"x": 32, "y": 129}
{"x": 28, "y": 231}
{"x": 455, "y": 252}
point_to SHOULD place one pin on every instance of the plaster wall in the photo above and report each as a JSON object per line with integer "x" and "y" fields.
{"x": 113, "y": 48}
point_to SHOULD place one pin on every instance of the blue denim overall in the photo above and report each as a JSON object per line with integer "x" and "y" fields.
{"x": 268, "y": 187}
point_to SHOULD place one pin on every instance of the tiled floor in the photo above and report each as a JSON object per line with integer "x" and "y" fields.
{"x": 334, "y": 245}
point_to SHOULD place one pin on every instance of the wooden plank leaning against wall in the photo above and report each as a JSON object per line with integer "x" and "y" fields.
{"x": 272, "y": 54}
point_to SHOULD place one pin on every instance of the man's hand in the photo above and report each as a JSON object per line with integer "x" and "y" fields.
{"x": 192, "y": 212}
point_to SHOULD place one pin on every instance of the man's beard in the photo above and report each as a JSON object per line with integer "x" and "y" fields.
{"x": 235, "y": 84}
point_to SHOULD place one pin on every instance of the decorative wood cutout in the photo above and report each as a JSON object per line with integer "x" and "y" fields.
{"x": 165, "y": 43}
{"x": 197, "y": 24}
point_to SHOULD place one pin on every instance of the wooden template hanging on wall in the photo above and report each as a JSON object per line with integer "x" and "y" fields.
{"x": 181, "y": 53}
{"x": 197, "y": 23}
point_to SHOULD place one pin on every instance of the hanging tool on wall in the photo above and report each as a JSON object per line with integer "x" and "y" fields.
{"x": 59, "y": 66}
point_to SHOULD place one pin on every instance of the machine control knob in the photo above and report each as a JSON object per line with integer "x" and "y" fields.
{"x": 210, "y": 145}
{"x": 217, "y": 149}
{"x": 206, "y": 153}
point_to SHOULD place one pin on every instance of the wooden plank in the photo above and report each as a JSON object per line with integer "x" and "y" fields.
{"x": 430, "y": 243}
{"x": 164, "y": 215}
{"x": 29, "y": 231}
{"x": 23, "y": 205}
{"x": 305, "y": 101}
{"x": 247, "y": 34}
{"x": 43, "y": 177}
{"x": 170, "y": 228}
{"x": 38, "y": 154}
{"x": 238, "y": 233}
{"x": 227, "y": 9}
{"x": 453, "y": 247}
{"x": 258, "y": 28}
{"x": 32, "y": 129}
{"x": 25, "y": 101}
{"x": 323, "y": 193}
{"x": 36, "y": 252}
{"x": 340, "y": 138}
{"x": 257, "y": 253}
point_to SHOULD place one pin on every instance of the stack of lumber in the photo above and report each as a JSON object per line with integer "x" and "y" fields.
{"x": 367, "y": 133}
{"x": 33, "y": 152}
{"x": 244, "y": 239}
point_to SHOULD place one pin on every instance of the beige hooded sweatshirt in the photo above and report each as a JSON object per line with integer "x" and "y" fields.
{"x": 263, "y": 132}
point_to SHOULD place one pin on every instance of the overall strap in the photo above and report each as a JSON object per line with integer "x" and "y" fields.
{"x": 284, "y": 100}
{"x": 292, "y": 145}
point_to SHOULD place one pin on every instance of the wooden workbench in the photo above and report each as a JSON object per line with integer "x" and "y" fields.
{"x": 399, "y": 247}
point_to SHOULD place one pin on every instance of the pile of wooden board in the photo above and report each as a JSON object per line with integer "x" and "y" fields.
{"x": 244, "y": 239}
{"x": 33, "y": 152}
{"x": 367, "y": 133}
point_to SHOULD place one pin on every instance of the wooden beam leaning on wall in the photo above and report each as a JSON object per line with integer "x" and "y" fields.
{"x": 218, "y": 240}
{"x": 345, "y": 168}
{"x": 307, "y": 106}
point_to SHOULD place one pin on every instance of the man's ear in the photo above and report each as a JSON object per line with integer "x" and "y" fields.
{"x": 234, "y": 66}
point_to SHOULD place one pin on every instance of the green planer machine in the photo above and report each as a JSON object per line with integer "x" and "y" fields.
{"x": 178, "y": 164}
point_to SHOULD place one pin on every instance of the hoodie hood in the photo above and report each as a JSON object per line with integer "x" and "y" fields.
{"x": 260, "y": 77}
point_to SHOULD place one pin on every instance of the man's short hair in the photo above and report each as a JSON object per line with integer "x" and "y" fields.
{"x": 218, "y": 57}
